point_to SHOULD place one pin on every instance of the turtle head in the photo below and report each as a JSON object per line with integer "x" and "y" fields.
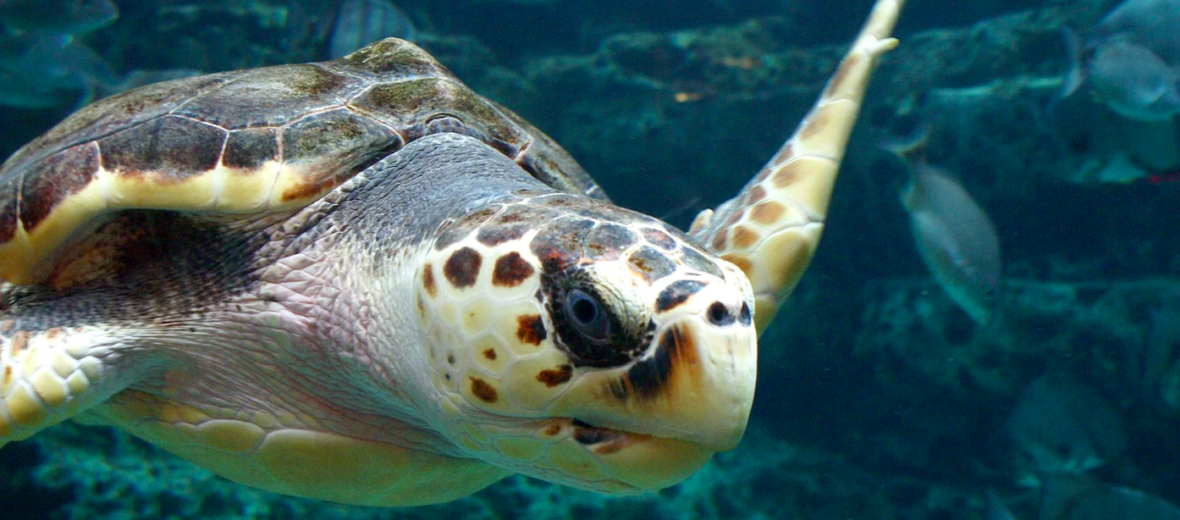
{"x": 584, "y": 344}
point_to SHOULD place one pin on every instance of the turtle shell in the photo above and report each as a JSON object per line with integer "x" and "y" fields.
{"x": 249, "y": 141}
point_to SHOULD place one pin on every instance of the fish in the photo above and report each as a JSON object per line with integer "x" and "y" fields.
{"x": 953, "y": 234}
{"x": 1067, "y": 496}
{"x": 361, "y": 22}
{"x": 1131, "y": 62}
{"x": 46, "y": 70}
{"x": 1081, "y": 497}
{"x": 1150, "y": 23}
{"x": 53, "y": 70}
{"x": 1127, "y": 77}
{"x": 1153, "y": 370}
{"x": 76, "y": 17}
{"x": 1064, "y": 426}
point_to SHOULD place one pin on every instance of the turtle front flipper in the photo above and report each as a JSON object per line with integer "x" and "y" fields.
{"x": 50, "y": 375}
{"x": 771, "y": 229}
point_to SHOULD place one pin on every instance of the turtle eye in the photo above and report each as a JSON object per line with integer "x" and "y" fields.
{"x": 587, "y": 315}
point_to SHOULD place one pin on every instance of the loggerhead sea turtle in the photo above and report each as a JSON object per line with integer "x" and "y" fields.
{"x": 359, "y": 281}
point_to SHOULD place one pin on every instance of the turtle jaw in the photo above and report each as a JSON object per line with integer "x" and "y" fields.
{"x": 615, "y": 461}
{"x": 695, "y": 385}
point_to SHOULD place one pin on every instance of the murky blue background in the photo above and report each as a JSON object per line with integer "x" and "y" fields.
{"x": 878, "y": 397}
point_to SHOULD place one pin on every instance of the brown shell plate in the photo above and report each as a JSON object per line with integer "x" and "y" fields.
{"x": 247, "y": 141}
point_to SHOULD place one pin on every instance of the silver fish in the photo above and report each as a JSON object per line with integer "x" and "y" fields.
{"x": 954, "y": 236}
{"x": 1131, "y": 63}
{"x": 1064, "y": 426}
{"x": 361, "y": 22}
{"x": 1080, "y": 497}
{"x": 58, "y": 16}
{"x": 1150, "y": 23}
{"x": 1154, "y": 369}
{"x": 45, "y": 70}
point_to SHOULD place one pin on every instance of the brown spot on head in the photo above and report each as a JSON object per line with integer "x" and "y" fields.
{"x": 659, "y": 239}
{"x": 452, "y": 231}
{"x": 787, "y": 175}
{"x": 648, "y": 378}
{"x": 531, "y": 329}
{"x": 20, "y": 340}
{"x": 768, "y": 212}
{"x": 485, "y": 392}
{"x": 462, "y": 268}
{"x": 677, "y": 293}
{"x": 651, "y": 263}
{"x": 511, "y": 270}
{"x": 515, "y": 213}
{"x": 556, "y": 376}
{"x": 560, "y": 243}
{"x": 494, "y": 235}
{"x": 54, "y": 333}
{"x": 7, "y": 375}
{"x": 7, "y": 326}
{"x": 694, "y": 259}
{"x": 608, "y": 241}
{"x": 490, "y": 354}
{"x": 428, "y": 280}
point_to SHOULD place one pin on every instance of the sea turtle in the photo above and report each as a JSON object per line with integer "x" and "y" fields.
{"x": 360, "y": 281}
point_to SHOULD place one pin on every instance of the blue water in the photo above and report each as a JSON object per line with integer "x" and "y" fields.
{"x": 878, "y": 397}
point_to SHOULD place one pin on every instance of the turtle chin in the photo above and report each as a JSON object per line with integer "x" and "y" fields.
{"x": 615, "y": 461}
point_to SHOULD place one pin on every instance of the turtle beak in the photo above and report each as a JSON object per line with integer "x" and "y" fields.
{"x": 695, "y": 383}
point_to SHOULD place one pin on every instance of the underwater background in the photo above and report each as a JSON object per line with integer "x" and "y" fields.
{"x": 879, "y": 395}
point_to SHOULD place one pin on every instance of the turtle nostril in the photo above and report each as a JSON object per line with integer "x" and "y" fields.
{"x": 719, "y": 314}
{"x": 746, "y": 318}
